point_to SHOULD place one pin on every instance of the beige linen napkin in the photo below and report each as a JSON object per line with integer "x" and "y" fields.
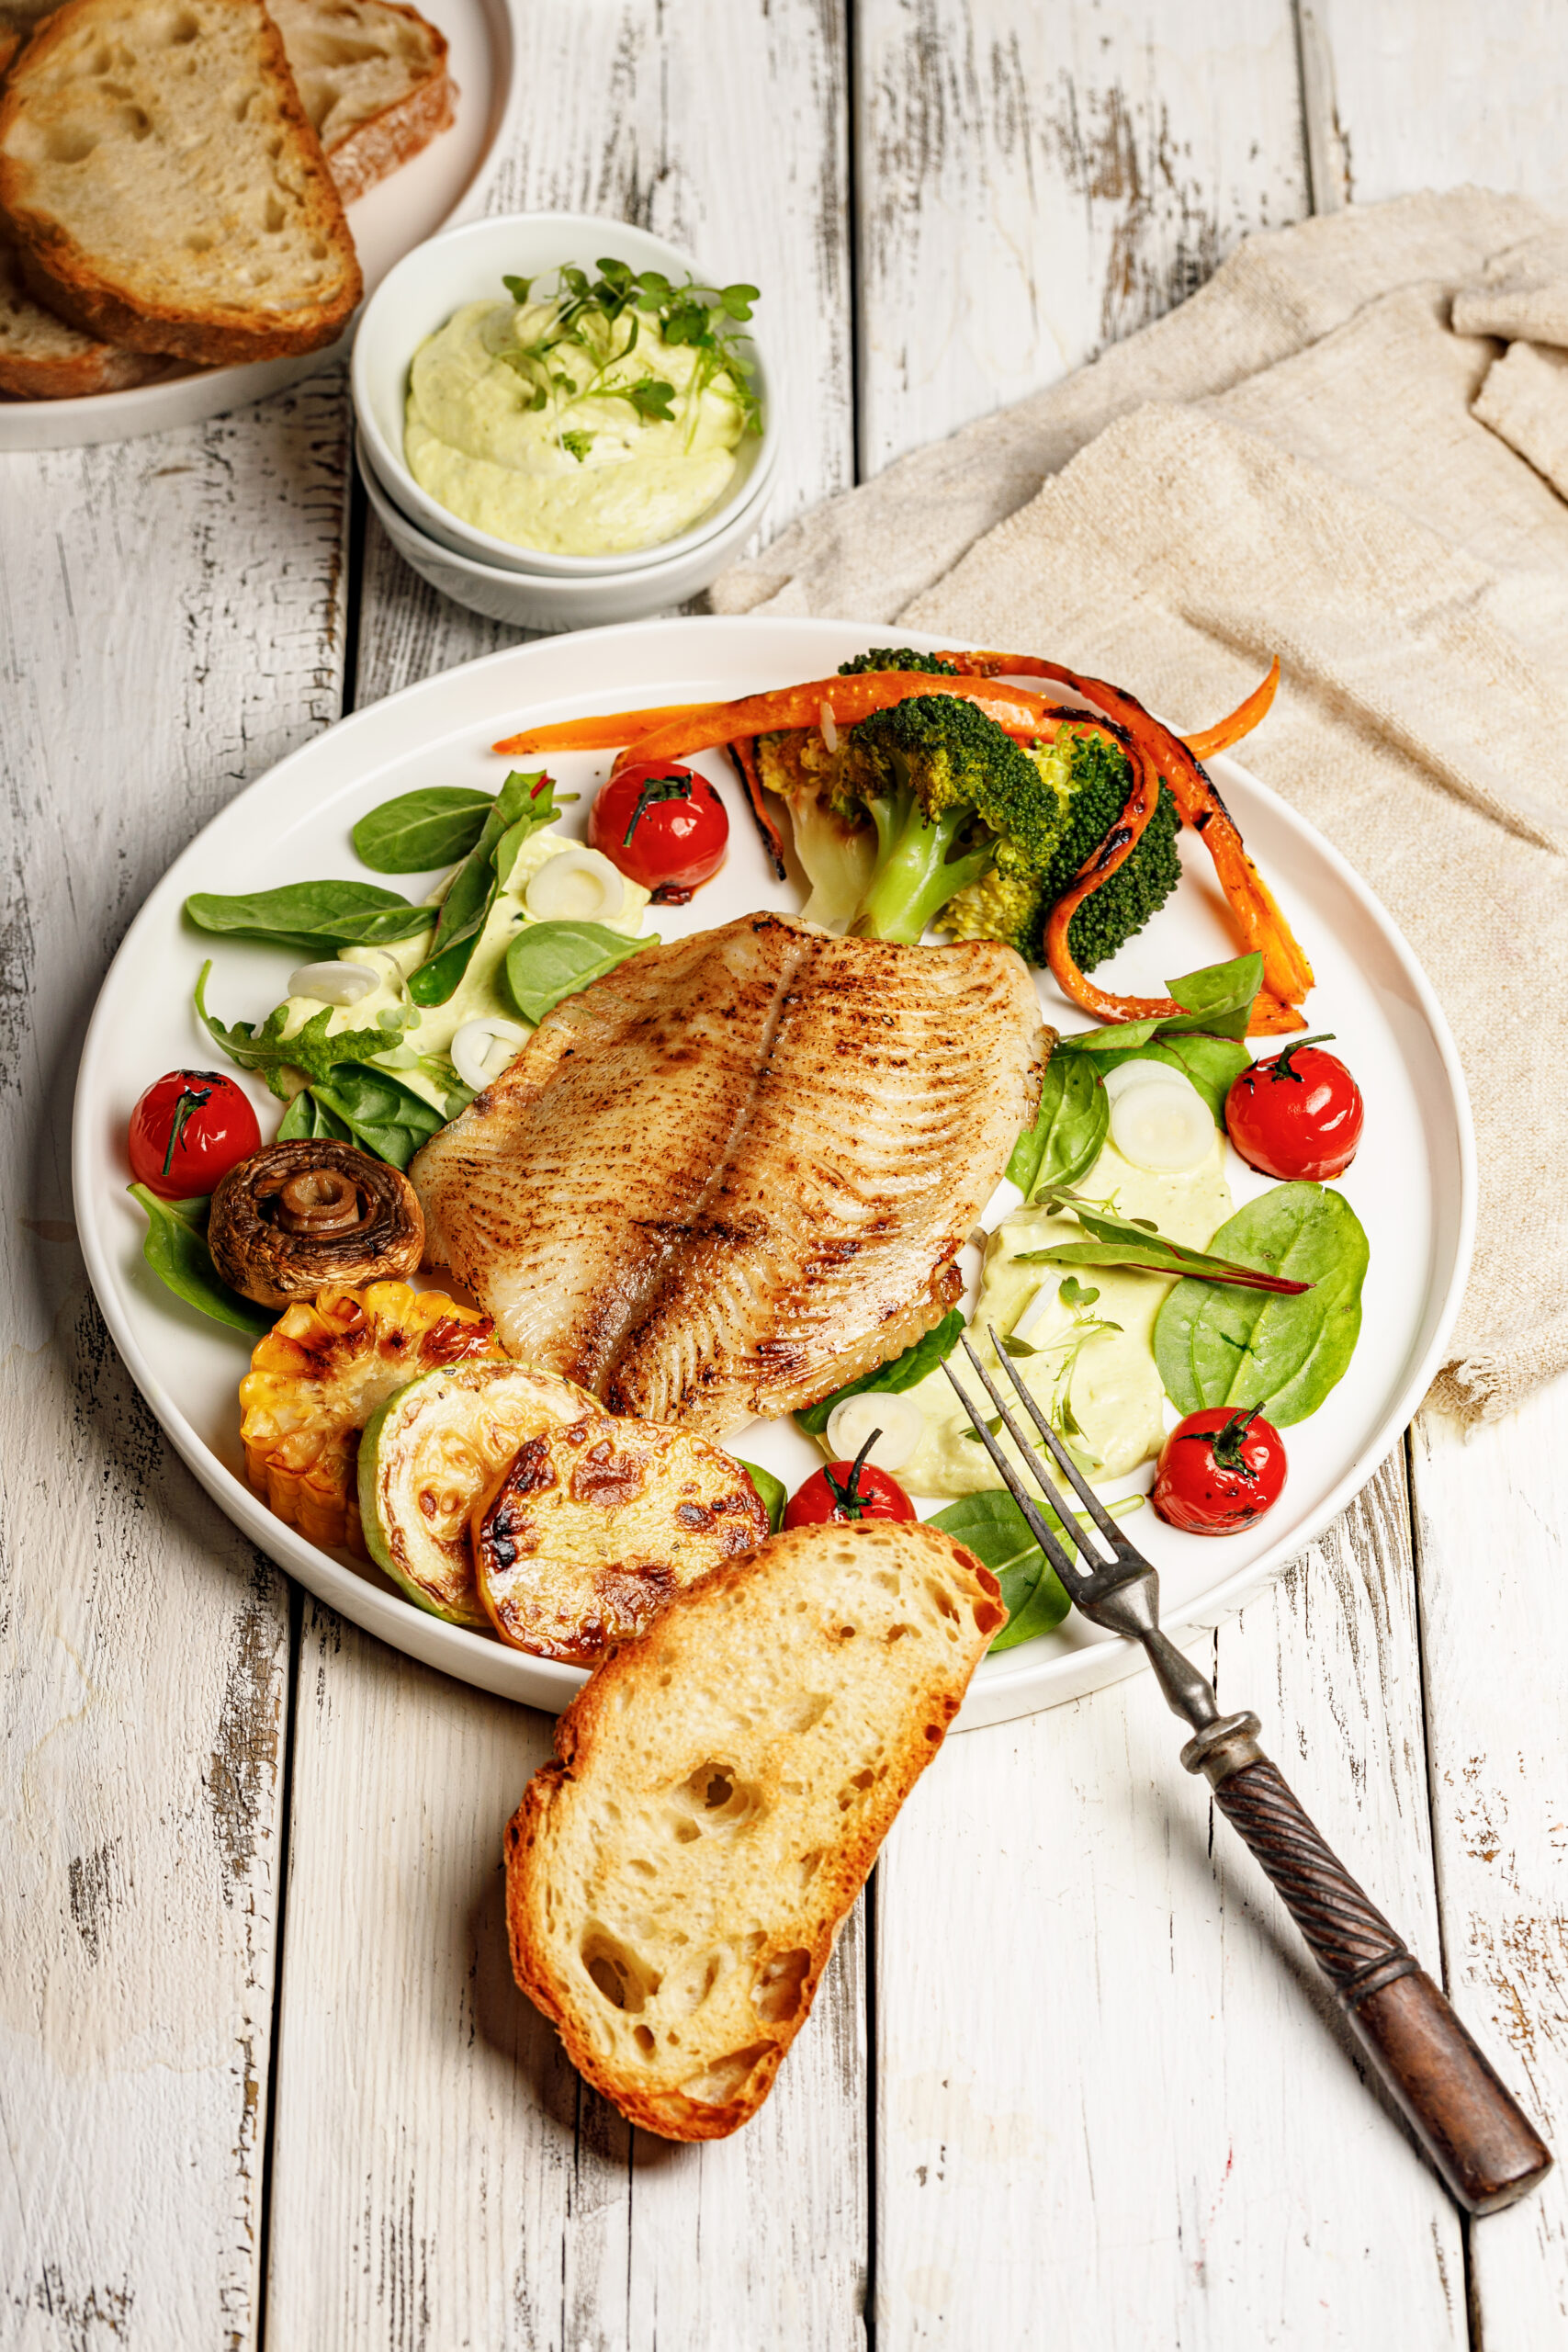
{"x": 1309, "y": 458}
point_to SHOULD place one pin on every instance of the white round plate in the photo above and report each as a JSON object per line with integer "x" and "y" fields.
{"x": 438, "y": 187}
{"x": 1413, "y": 1182}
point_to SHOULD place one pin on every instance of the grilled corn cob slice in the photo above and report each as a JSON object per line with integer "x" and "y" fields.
{"x": 318, "y": 1375}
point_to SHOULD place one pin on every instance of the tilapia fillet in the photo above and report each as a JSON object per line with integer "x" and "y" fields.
{"x": 737, "y": 1170}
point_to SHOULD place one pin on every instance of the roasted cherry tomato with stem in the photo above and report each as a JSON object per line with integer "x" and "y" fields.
{"x": 1298, "y": 1115}
{"x": 848, "y": 1490}
{"x": 187, "y": 1131}
{"x": 1219, "y": 1470}
{"x": 662, "y": 825}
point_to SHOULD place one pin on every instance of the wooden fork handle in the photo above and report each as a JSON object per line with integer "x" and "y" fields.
{"x": 1471, "y": 2126}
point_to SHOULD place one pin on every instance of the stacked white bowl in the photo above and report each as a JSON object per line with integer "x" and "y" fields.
{"x": 530, "y": 587}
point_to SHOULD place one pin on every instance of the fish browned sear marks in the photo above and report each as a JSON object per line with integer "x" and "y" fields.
{"x": 737, "y": 1170}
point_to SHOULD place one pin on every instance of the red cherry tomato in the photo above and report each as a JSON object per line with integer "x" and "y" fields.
{"x": 1298, "y": 1115}
{"x": 187, "y": 1131}
{"x": 661, "y": 825}
{"x": 848, "y": 1490}
{"x": 1219, "y": 1471}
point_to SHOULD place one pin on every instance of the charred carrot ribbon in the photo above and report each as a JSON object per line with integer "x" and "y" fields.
{"x": 1097, "y": 869}
{"x": 1242, "y": 721}
{"x": 606, "y": 734}
{"x": 849, "y": 699}
{"x": 743, "y": 752}
{"x": 1287, "y": 975}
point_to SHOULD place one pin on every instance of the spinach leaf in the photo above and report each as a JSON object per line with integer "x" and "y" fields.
{"x": 305, "y": 1119}
{"x": 175, "y": 1246}
{"x": 420, "y": 830}
{"x": 1218, "y": 1000}
{"x": 310, "y": 1050}
{"x": 547, "y": 961}
{"x": 313, "y": 914}
{"x": 774, "y": 1494}
{"x": 377, "y": 1113}
{"x": 992, "y": 1526}
{"x": 1134, "y": 1241}
{"x": 1070, "y": 1126}
{"x": 1229, "y": 1347}
{"x": 466, "y": 908}
{"x": 889, "y": 1379}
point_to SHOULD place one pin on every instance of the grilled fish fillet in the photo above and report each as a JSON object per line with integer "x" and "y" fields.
{"x": 737, "y": 1170}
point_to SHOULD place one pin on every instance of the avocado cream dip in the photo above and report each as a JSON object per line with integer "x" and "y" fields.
{"x": 573, "y": 424}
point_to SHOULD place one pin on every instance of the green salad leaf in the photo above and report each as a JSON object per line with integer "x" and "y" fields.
{"x": 992, "y": 1526}
{"x": 1070, "y": 1126}
{"x": 309, "y": 1049}
{"x": 547, "y": 961}
{"x": 175, "y": 1246}
{"x": 312, "y": 915}
{"x": 773, "y": 1492}
{"x": 305, "y": 1119}
{"x": 523, "y": 797}
{"x": 1134, "y": 1241}
{"x": 1217, "y": 999}
{"x": 379, "y": 1113}
{"x": 420, "y": 830}
{"x": 906, "y": 1371}
{"x": 1241, "y": 1348}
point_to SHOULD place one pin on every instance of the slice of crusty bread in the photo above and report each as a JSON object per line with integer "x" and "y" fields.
{"x": 372, "y": 77}
{"x": 676, "y": 1878}
{"x": 41, "y": 359}
{"x": 19, "y": 19}
{"x": 165, "y": 186}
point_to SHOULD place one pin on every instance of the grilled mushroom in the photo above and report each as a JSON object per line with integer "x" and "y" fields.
{"x": 295, "y": 1216}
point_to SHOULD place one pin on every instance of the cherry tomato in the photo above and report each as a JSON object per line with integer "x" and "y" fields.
{"x": 662, "y": 825}
{"x": 848, "y": 1490}
{"x": 1219, "y": 1471}
{"x": 1297, "y": 1115}
{"x": 187, "y": 1131}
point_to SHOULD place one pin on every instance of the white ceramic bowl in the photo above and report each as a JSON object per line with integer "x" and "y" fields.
{"x": 466, "y": 265}
{"x": 528, "y": 599}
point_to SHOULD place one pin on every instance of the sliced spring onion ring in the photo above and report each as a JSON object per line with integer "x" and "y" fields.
{"x": 1117, "y": 1081}
{"x": 1164, "y": 1126}
{"x": 482, "y": 1048}
{"x": 899, "y": 1419}
{"x": 578, "y": 885}
{"x": 334, "y": 983}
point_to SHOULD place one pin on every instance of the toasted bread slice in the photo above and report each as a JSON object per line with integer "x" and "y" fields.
{"x": 18, "y": 20}
{"x": 372, "y": 77}
{"x": 41, "y": 359}
{"x": 676, "y": 1878}
{"x": 165, "y": 186}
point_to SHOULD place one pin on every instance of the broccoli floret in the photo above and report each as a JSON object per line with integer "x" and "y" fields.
{"x": 1121, "y": 908}
{"x": 835, "y": 843}
{"x": 897, "y": 657}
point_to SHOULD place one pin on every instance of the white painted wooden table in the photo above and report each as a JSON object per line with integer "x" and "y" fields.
{"x": 263, "y": 2077}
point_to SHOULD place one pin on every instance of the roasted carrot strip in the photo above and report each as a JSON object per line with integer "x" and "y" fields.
{"x": 743, "y": 752}
{"x": 1097, "y": 868}
{"x": 601, "y": 734}
{"x": 1287, "y": 975}
{"x": 1242, "y": 721}
{"x": 849, "y": 699}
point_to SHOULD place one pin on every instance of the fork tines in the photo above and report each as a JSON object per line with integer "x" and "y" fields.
{"x": 1122, "y": 1553}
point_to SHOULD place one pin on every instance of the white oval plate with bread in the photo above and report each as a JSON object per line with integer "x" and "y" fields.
{"x": 442, "y": 184}
{"x": 1413, "y": 1183}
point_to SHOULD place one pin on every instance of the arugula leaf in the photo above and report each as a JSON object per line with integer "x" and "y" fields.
{"x": 889, "y": 1379}
{"x": 1070, "y": 1126}
{"x": 992, "y": 1526}
{"x": 420, "y": 830}
{"x": 773, "y": 1491}
{"x": 379, "y": 1113}
{"x": 1217, "y": 999}
{"x": 1281, "y": 1354}
{"x": 466, "y": 908}
{"x": 310, "y": 1050}
{"x": 175, "y": 1246}
{"x": 313, "y": 914}
{"x": 549, "y": 961}
{"x": 1133, "y": 1241}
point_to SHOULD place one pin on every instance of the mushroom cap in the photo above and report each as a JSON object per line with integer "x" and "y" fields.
{"x": 296, "y": 1216}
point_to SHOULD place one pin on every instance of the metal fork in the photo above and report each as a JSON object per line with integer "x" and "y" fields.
{"x": 1480, "y": 2141}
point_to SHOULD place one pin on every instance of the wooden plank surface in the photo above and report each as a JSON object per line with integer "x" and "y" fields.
{"x": 1034, "y": 185}
{"x": 441, "y": 2176}
{"x": 144, "y": 1644}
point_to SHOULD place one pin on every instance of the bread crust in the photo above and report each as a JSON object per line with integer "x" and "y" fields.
{"x": 84, "y": 294}
{"x": 42, "y": 358}
{"x": 383, "y": 144}
{"x": 758, "y": 1590}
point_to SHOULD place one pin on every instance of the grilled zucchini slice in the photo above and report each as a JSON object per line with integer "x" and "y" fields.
{"x": 437, "y": 1447}
{"x": 597, "y": 1526}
